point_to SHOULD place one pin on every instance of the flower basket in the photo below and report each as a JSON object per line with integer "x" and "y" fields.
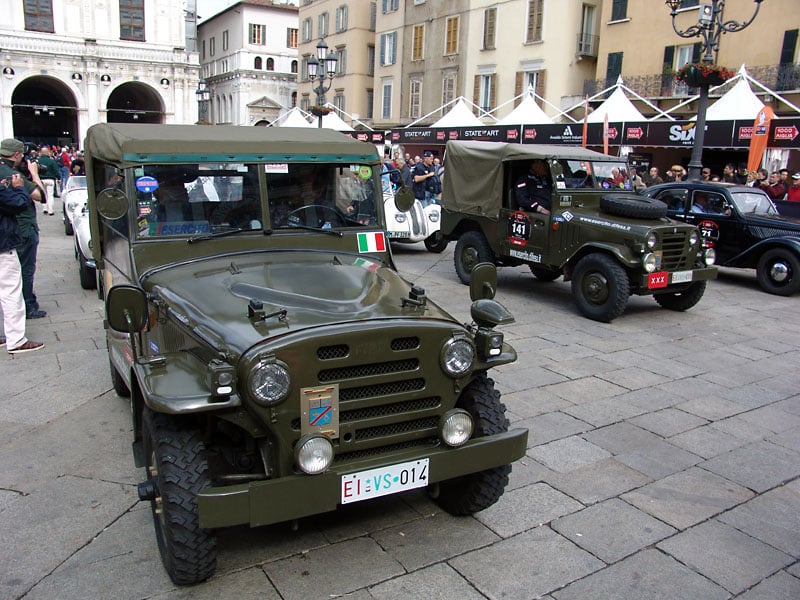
{"x": 319, "y": 111}
{"x": 699, "y": 74}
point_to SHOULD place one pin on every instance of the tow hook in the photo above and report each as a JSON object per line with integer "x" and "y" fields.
{"x": 148, "y": 490}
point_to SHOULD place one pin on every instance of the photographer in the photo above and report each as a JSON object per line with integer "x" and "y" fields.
{"x": 11, "y": 159}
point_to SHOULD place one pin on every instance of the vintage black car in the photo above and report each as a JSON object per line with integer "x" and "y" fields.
{"x": 743, "y": 226}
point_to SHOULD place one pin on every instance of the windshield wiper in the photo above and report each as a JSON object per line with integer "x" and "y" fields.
{"x": 218, "y": 234}
{"x": 311, "y": 228}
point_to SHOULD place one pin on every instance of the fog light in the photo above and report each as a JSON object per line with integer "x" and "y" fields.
{"x": 488, "y": 342}
{"x": 400, "y": 217}
{"x": 457, "y": 427}
{"x": 649, "y": 262}
{"x": 433, "y": 216}
{"x": 313, "y": 454}
{"x": 220, "y": 378}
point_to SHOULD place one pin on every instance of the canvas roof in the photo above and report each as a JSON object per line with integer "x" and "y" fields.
{"x": 459, "y": 116}
{"x": 618, "y": 108}
{"x": 527, "y": 112}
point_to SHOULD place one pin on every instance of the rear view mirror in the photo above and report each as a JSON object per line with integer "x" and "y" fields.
{"x": 483, "y": 282}
{"x": 126, "y": 308}
{"x": 404, "y": 199}
{"x": 112, "y": 203}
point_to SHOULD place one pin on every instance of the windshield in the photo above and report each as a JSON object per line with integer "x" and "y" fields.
{"x": 753, "y": 203}
{"x": 214, "y": 198}
{"x": 593, "y": 175}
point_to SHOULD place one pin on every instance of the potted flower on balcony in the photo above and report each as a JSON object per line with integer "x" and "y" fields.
{"x": 319, "y": 111}
{"x": 698, "y": 74}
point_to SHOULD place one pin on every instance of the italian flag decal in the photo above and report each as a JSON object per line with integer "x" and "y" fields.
{"x": 371, "y": 242}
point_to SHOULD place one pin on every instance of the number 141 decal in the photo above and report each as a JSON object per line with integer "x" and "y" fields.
{"x": 519, "y": 228}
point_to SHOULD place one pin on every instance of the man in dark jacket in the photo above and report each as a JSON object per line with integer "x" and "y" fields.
{"x": 11, "y": 157}
{"x": 13, "y": 200}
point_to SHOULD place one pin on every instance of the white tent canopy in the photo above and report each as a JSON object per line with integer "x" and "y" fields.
{"x": 618, "y": 108}
{"x": 294, "y": 118}
{"x": 459, "y": 116}
{"x": 739, "y": 102}
{"x": 527, "y": 112}
{"x": 333, "y": 121}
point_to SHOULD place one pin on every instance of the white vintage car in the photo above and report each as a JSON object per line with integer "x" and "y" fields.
{"x": 73, "y": 198}
{"x": 83, "y": 250}
{"x": 420, "y": 224}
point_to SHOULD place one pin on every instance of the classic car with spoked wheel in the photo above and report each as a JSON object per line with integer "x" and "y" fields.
{"x": 743, "y": 226}
{"x": 607, "y": 240}
{"x": 277, "y": 364}
{"x": 73, "y": 201}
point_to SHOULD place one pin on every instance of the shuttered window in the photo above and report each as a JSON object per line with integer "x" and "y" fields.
{"x": 489, "y": 25}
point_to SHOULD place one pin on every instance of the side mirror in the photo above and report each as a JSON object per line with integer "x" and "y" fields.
{"x": 483, "y": 282}
{"x": 112, "y": 203}
{"x": 404, "y": 199}
{"x": 126, "y": 309}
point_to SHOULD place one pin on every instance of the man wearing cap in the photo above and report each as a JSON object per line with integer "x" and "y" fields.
{"x": 13, "y": 200}
{"x": 11, "y": 155}
{"x": 534, "y": 189}
{"x": 793, "y": 193}
{"x": 423, "y": 172}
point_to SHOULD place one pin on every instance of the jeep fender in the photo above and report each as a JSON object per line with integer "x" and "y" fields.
{"x": 621, "y": 253}
{"x": 749, "y": 258}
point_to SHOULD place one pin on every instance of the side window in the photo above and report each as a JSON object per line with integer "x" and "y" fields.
{"x": 717, "y": 204}
{"x": 674, "y": 199}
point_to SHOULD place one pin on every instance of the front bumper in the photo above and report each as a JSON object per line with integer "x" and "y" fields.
{"x": 673, "y": 281}
{"x": 273, "y": 501}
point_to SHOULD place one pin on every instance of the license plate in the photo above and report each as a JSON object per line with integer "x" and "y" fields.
{"x": 384, "y": 481}
{"x": 681, "y": 276}
{"x": 396, "y": 234}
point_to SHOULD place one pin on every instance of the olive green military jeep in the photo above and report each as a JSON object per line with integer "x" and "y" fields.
{"x": 609, "y": 241}
{"x": 277, "y": 364}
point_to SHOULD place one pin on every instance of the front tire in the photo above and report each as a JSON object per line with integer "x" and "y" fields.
{"x": 475, "y": 492}
{"x": 778, "y": 272}
{"x": 471, "y": 250}
{"x": 600, "y": 286}
{"x": 178, "y": 471}
{"x": 435, "y": 243}
{"x": 88, "y": 275}
{"x": 682, "y": 300}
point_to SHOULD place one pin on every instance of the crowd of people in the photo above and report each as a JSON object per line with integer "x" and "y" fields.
{"x": 778, "y": 185}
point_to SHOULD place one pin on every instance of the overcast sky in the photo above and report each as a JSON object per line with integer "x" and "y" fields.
{"x": 208, "y": 8}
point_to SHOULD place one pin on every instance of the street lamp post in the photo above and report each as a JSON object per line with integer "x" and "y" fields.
{"x": 322, "y": 67}
{"x": 203, "y": 95}
{"x": 710, "y": 25}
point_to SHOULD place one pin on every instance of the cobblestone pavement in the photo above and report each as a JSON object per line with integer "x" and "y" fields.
{"x": 663, "y": 462}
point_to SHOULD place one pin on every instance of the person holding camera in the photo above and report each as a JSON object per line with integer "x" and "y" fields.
{"x": 13, "y": 200}
{"x": 11, "y": 155}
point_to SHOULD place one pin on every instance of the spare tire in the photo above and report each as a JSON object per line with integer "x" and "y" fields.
{"x": 634, "y": 207}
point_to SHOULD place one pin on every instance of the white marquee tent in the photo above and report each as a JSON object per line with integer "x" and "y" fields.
{"x": 459, "y": 116}
{"x": 618, "y": 108}
{"x": 294, "y": 118}
{"x": 739, "y": 102}
{"x": 527, "y": 112}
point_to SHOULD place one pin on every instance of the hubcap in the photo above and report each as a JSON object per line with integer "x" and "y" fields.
{"x": 470, "y": 258}
{"x": 596, "y": 288}
{"x": 779, "y": 272}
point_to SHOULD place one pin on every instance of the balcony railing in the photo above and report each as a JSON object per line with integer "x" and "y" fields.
{"x": 780, "y": 78}
{"x": 587, "y": 44}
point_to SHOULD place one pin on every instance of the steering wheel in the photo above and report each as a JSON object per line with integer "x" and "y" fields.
{"x": 337, "y": 220}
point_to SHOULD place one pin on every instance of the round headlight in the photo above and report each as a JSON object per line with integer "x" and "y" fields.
{"x": 457, "y": 357}
{"x": 649, "y": 262}
{"x": 710, "y": 256}
{"x": 457, "y": 427}
{"x": 652, "y": 240}
{"x": 694, "y": 238}
{"x": 313, "y": 454}
{"x": 433, "y": 216}
{"x": 269, "y": 383}
{"x": 400, "y": 217}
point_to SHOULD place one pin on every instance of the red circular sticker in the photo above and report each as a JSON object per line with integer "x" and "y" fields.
{"x": 709, "y": 231}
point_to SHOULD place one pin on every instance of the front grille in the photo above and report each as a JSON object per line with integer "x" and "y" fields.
{"x": 673, "y": 257}
{"x": 356, "y": 371}
{"x": 391, "y": 393}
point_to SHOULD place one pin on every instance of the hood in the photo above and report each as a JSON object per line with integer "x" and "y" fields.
{"x": 766, "y": 226}
{"x": 237, "y": 301}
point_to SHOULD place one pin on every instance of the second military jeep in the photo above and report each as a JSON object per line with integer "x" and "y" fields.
{"x": 609, "y": 241}
{"x": 277, "y": 364}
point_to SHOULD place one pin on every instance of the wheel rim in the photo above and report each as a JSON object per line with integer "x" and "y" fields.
{"x": 595, "y": 288}
{"x": 469, "y": 257}
{"x": 780, "y": 272}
